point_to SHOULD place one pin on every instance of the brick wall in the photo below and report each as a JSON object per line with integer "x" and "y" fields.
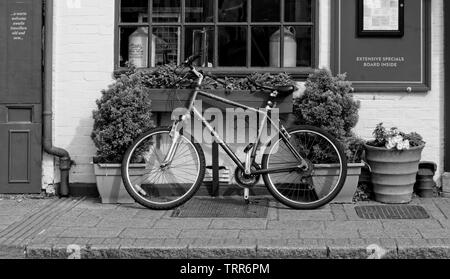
{"x": 83, "y": 64}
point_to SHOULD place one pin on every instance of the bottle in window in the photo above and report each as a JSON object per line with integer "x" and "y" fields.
{"x": 290, "y": 48}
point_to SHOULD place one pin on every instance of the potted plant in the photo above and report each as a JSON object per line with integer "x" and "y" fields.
{"x": 123, "y": 113}
{"x": 327, "y": 103}
{"x": 394, "y": 158}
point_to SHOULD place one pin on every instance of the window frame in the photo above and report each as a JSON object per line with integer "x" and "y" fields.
{"x": 297, "y": 72}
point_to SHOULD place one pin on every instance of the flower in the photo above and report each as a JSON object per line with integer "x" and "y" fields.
{"x": 395, "y": 139}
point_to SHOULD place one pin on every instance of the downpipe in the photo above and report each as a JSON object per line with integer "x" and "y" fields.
{"x": 65, "y": 163}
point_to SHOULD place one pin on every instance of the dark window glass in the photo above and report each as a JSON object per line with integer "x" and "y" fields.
{"x": 166, "y": 45}
{"x": 197, "y": 40}
{"x": 232, "y": 46}
{"x": 199, "y": 11}
{"x": 298, "y": 10}
{"x": 166, "y": 11}
{"x": 265, "y": 51}
{"x": 134, "y": 11}
{"x": 266, "y": 11}
{"x": 232, "y": 10}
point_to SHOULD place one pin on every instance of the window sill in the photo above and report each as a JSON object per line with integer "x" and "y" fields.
{"x": 299, "y": 73}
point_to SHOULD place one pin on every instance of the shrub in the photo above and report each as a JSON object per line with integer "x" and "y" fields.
{"x": 123, "y": 113}
{"x": 328, "y": 104}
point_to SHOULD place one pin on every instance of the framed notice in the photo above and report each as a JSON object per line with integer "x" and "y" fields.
{"x": 381, "y": 18}
{"x": 383, "y": 63}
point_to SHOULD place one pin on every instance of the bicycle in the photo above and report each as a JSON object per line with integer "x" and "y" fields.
{"x": 165, "y": 166}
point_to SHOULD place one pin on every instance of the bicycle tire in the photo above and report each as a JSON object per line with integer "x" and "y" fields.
{"x": 134, "y": 193}
{"x": 322, "y": 201}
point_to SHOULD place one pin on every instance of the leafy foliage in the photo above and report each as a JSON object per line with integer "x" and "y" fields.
{"x": 171, "y": 76}
{"x": 123, "y": 113}
{"x": 327, "y": 103}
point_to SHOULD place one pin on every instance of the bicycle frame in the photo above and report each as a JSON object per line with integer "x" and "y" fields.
{"x": 267, "y": 119}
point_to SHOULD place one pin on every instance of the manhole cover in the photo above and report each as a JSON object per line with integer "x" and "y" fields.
{"x": 222, "y": 208}
{"x": 392, "y": 212}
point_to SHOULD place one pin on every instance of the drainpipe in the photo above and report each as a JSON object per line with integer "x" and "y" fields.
{"x": 65, "y": 162}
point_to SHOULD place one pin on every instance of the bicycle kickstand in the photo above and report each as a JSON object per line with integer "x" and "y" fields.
{"x": 247, "y": 195}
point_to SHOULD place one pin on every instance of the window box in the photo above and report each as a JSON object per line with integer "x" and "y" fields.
{"x": 166, "y": 100}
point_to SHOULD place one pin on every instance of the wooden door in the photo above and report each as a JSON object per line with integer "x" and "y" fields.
{"x": 20, "y": 96}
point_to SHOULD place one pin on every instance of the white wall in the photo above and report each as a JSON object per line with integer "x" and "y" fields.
{"x": 83, "y": 65}
{"x": 83, "y": 58}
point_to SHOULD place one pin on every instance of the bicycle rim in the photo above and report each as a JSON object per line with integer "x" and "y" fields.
{"x": 313, "y": 188}
{"x": 157, "y": 187}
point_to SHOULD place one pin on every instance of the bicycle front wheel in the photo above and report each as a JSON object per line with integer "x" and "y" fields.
{"x": 158, "y": 186}
{"x": 314, "y": 187}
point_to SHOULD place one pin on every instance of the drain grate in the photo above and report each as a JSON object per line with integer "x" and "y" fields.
{"x": 222, "y": 208}
{"x": 391, "y": 212}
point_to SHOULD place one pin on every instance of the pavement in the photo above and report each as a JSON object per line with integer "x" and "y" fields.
{"x": 85, "y": 228}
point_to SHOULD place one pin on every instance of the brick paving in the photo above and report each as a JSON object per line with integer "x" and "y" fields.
{"x": 131, "y": 231}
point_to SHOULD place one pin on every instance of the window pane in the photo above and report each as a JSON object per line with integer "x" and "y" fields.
{"x": 232, "y": 10}
{"x": 298, "y": 10}
{"x": 199, "y": 10}
{"x": 166, "y": 11}
{"x": 134, "y": 46}
{"x": 298, "y": 50}
{"x": 197, "y": 40}
{"x": 134, "y": 11}
{"x": 265, "y": 49}
{"x": 266, "y": 11}
{"x": 232, "y": 46}
{"x": 166, "y": 46}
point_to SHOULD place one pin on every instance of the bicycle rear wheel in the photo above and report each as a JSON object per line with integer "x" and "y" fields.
{"x": 312, "y": 188}
{"x": 162, "y": 187}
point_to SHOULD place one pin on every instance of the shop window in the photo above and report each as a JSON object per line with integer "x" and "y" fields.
{"x": 234, "y": 36}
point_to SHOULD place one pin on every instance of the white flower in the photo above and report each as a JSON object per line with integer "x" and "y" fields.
{"x": 390, "y": 144}
{"x": 407, "y": 144}
{"x": 398, "y": 139}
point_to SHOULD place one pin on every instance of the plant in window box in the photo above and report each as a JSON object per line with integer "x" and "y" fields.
{"x": 327, "y": 103}
{"x": 170, "y": 88}
{"x": 123, "y": 113}
{"x": 394, "y": 158}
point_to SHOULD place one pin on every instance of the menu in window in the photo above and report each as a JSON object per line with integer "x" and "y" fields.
{"x": 381, "y": 15}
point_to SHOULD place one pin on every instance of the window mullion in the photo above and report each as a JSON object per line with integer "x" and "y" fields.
{"x": 249, "y": 34}
{"x": 150, "y": 34}
{"x": 216, "y": 34}
{"x": 282, "y": 3}
{"x": 183, "y": 31}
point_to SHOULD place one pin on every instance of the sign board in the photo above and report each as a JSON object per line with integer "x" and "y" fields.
{"x": 382, "y": 62}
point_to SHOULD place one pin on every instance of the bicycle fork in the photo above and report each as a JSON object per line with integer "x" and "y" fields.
{"x": 175, "y": 135}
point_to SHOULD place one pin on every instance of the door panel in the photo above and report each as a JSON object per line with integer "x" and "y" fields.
{"x": 20, "y": 96}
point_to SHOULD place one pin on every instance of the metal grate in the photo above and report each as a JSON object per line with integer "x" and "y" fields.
{"x": 392, "y": 212}
{"x": 222, "y": 208}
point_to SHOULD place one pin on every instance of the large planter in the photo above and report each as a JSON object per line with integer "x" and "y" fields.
{"x": 110, "y": 185}
{"x": 166, "y": 100}
{"x": 351, "y": 182}
{"x": 393, "y": 173}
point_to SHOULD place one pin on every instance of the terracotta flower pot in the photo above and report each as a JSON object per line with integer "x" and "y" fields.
{"x": 393, "y": 173}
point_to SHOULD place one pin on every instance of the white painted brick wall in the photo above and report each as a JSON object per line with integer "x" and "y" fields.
{"x": 83, "y": 65}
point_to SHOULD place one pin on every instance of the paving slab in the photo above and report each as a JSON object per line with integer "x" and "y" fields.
{"x": 94, "y": 230}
